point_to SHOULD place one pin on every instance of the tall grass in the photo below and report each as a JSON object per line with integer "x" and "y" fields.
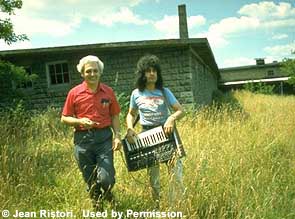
{"x": 240, "y": 163}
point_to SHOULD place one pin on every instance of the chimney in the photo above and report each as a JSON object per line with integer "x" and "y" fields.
{"x": 183, "y": 32}
{"x": 260, "y": 61}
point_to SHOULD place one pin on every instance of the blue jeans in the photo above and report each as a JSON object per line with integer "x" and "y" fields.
{"x": 94, "y": 155}
{"x": 176, "y": 188}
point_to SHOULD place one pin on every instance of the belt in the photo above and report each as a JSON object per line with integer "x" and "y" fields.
{"x": 91, "y": 130}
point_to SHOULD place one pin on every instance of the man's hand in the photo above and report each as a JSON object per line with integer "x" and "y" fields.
{"x": 169, "y": 125}
{"x": 131, "y": 134}
{"x": 87, "y": 123}
{"x": 117, "y": 143}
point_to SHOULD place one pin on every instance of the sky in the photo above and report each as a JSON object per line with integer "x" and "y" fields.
{"x": 238, "y": 31}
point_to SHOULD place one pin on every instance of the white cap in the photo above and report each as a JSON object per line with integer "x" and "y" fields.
{"x": 90, "y": 58}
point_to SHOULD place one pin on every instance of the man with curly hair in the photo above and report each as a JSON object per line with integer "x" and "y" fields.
{"x": 150, "y": 99}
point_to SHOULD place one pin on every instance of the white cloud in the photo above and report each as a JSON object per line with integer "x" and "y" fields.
{"x": 238, "y": 61}
{"x": 219, "y": 33}
{"x": 270, "y": 15}
{"x": 87, "y": 7}
{"x": 17, "y": 45}
{"x": 234, "y": 25}
{"x": 169, "y": 25}
{"x": 264, "y": 16}
{"x": 124, "y": 15}
{"x": 215, "y": 40}
{"x": 270, "y": 59}
{"x": 280, "y": 50}
{"x": 55, "y": 28}
{"x": 59, "y": 18}
{"x": 265, "y": 10}
{"x": 244, "y": 61}
{"x": 272, "y": 24}
{"x": 280, "y": 36}
{"x": 195, "y": 21}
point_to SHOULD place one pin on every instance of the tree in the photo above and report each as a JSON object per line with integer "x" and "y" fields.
{"x": 6, "y": 27}
{"x": 10, "y": 77}
{"x": 10, "y": 74}
{"x": 259, "y": 88}
{"x": 288, "y": 66}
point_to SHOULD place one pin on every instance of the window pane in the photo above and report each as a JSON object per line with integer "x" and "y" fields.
{"x": 66, "y": 78}
{"x": 58, "y": 68}
{"x": 28, "y": 70}
{"x": 65, "y": 67}
{"x": 52, "y": 78}
{"x": 270, "y": 73}
{"x": 59, "y": 78}
{"x": 59, "y": 73}
{"x": 51, "y": 69}
{"x": 26, "y": 84}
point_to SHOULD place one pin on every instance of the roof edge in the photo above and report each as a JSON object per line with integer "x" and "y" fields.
{"x": 251, "y": 66}
{"x": 128, "y": 44}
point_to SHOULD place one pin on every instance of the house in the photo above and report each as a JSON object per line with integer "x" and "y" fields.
{"x": 188, "y": 67}
{"x": 268, "y": 74}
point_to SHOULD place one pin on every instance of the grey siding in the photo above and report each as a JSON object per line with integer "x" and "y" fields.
{"x": 204, "y": 82}
{"x": 188, "y": 78}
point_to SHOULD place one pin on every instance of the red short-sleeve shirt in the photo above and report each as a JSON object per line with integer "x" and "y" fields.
{"x": 98, "y": 107}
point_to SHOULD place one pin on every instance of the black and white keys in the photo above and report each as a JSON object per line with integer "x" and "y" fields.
{"x": 147, "y": 139}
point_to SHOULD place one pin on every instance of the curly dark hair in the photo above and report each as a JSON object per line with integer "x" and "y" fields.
{"x": 143, "y": 64}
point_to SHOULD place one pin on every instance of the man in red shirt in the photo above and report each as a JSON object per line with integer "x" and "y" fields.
{"x": 91, "y": 107}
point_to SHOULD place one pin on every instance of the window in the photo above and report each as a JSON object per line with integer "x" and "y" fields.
{"x": 27, "y": 84}
{"x": 270, "y": 73}
{"x": 58, "y": 73}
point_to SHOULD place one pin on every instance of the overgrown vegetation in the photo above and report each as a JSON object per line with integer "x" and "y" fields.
{"x": 11, "y": 76}
{"x": 6, "y": 27}
{"x": 288, "y": 66}
{"x": 239, "y": 164}
{"x": 259, "y": 88}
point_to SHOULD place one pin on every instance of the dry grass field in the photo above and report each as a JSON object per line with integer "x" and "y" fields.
{"x": 240, "y": 163}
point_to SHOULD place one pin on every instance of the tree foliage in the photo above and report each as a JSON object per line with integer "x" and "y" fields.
{"x": 6, "y": 27}
{"x": 259, "y": 88}
{"x": 288, "y": 66}
{"x": 10, "y": 75}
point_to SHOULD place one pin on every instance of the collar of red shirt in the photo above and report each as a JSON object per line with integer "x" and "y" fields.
{"x": 100, "y": 86}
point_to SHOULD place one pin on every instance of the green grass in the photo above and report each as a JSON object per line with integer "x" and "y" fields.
{"x": 240, "y": 163}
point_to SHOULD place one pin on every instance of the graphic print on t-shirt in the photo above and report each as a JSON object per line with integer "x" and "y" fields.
{"x": 151, "y": 102}
{"x": 151, "y": 105}
{"x": 152, "y": 108}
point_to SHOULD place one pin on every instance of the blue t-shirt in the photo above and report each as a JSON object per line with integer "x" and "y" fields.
{"x": 151, "y": 105}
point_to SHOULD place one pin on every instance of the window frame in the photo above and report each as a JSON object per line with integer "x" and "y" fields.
{"x": 48, "y": 76}
{"x": 26, "y": 87}
{"x": 19, "y": 86}
{"x": 270, "y": 73}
